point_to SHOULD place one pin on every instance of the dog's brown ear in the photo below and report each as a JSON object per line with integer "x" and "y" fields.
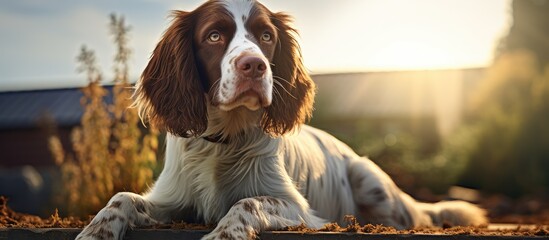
{"x": 294, "y": 92}
{"x": 170, "y": 95}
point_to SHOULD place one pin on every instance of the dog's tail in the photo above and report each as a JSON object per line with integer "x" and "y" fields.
{"x": 454, "y": 213}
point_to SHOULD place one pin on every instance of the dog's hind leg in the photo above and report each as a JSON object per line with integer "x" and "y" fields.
{"x": 380, "y": 201}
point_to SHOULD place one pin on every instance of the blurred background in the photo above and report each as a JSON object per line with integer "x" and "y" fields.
{"x": 450, "y": 97}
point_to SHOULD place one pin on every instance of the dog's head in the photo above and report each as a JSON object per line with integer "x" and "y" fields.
{"x": 233, "y": 56}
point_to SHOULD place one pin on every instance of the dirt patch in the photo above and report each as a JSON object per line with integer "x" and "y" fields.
{"x": 525, "y": 210}
{"x": 12, "y": 219}
{"x": 353, "y": 226}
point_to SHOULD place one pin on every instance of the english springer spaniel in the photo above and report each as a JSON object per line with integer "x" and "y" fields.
{"x": 227, "y": 83}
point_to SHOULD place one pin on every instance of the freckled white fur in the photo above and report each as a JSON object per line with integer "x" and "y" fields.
{"x": 238, "y": 46}
{"x": 255, "y": 182}
{"x": 319, "y": 179}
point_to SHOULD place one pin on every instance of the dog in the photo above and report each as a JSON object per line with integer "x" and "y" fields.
{"x": 227, "y": 83}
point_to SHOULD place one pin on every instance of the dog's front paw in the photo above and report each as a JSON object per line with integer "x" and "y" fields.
{"x": 231, "y": 232}
{"x": 96, "y": 232}
{"x": 106, "y": 225}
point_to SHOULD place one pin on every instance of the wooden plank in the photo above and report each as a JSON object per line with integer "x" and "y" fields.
{"x": 168, "y": 234}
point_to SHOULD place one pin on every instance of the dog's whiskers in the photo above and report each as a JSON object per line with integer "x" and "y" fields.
{"x": 277, "y": 94}
{"x": 285, "y": 80}
{"x": 282, "y": 86}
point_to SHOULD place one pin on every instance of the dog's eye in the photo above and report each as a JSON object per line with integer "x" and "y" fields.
{"x": 266, "y": 37}
{"x": 214, "y": 37}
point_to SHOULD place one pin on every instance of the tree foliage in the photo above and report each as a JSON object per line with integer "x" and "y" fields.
{"x": 529, "y": 30}
{"x": 507, "y": 151}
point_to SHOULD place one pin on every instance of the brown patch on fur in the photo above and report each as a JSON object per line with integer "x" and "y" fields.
{"x": 357, "y": 183}
{"x": 294, "y": 93}
{"x": 106, "y": 234}
{"x": 248, "y": 207}
{"x": 115, "y": 204}
{"x": 242, "y": 220}
{"x": 269, "y": 199}
{"x": 112, "y": 218}
{"x": 105, "y": 220}
{"x": 225, "y": 235}
{"x": 140, "y": 207}
{"x": 379, "y": 194}
{"x": 170, "y": 94}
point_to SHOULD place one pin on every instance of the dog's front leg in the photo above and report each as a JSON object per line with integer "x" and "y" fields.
{"x": 123, "y": 210}
{"x": 249, "y": 216}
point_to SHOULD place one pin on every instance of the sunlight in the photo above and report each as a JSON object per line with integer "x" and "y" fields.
{"x": 412, "y": 55}
{"x": 403, "y": 35}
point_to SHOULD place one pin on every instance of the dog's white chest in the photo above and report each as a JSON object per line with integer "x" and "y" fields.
{"x": 219, "y": 179}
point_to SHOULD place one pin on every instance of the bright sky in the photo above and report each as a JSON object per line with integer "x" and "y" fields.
{"x": 41, "y": 39}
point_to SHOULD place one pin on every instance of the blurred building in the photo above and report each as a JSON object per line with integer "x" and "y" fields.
{"x": 27, "y": 168}
{"x": 28, "y": 117}
{"x": 438, "y": 94}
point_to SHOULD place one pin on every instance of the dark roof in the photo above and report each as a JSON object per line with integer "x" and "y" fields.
{"x": 25, "y": 109}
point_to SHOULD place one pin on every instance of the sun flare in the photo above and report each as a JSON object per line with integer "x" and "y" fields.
{"x": 412, "y": 55}
{"x": 397, "y": 35}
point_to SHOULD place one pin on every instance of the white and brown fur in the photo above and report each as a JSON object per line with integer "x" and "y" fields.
{"x": 227, "y": 83}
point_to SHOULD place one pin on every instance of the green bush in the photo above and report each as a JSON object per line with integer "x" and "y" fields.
{"x": 511, "y": 114}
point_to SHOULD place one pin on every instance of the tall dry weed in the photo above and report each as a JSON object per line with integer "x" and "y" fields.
{"x": 110, "y": 153}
